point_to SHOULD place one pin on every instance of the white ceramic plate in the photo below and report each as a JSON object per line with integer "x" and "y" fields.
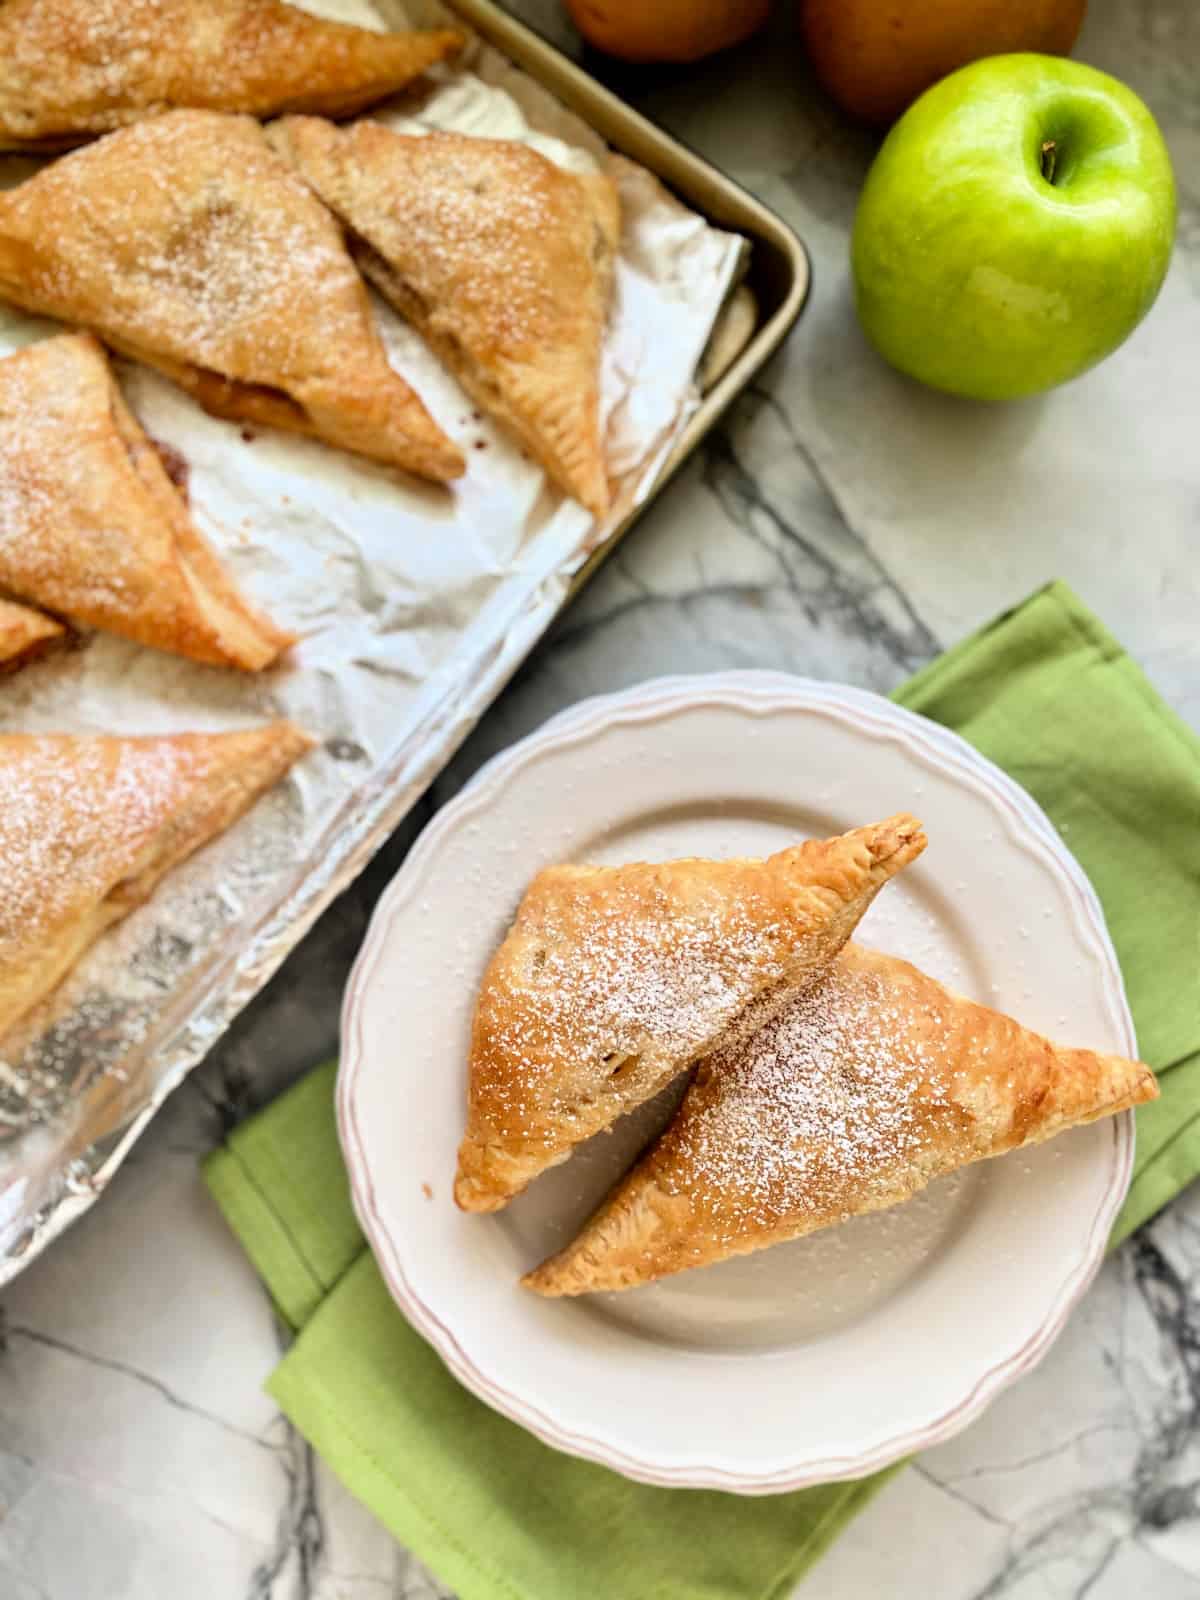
{"x": 821, "y": 1359}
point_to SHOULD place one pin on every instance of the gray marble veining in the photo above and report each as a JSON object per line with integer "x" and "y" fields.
{"x": 842, "y": 524}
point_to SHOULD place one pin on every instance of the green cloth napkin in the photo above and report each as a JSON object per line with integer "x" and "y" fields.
{"x": 1051, "y": 697}
{"x": 1047, "y": 694}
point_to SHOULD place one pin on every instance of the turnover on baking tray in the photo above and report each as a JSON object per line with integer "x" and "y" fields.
{"x": 91, "y": 526}
{"x": 187, "y": 242}
{"x": 90, "y": 825}
{"x": 71, "y": 69}
{"x": 503, "y": 262}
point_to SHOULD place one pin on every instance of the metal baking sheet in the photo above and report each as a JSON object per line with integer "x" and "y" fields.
{"x": 412, "y": 619}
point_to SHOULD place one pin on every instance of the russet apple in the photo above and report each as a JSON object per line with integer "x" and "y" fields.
{"x": 876, "y": 56}
{"x": 666, "y": 30}
{"x": 1014, "y": 228}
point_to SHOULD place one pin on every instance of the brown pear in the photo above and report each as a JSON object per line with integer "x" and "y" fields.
{"x": 876, "y": 56}
{"x": 668, "y": 30}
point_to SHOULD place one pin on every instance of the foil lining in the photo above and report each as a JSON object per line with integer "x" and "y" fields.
{"x": 414, "y": 607}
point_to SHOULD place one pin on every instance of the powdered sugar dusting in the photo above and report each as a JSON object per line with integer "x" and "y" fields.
{"x": 189, "y": 238}
{"x": 73, "y": 67}
{"x": 622, "y": 987}
{"x": 60, "y": 458}
{"x": 30, "y": 419}
{"x": 81, "y": 820}
{"x": 600, "y": 987}
{"x": 74, "y": 813}
{"x": 490, "y": 227}
{"x": 821, "y": 1110}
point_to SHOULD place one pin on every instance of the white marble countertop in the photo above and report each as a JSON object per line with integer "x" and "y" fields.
{"x": 844, "y": 525}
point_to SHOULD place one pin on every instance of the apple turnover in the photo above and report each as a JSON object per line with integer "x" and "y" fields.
{"x": 90, "y": 825}
{"x": 71, "y": 69}
{"x": 852, "y": 1098}
{"x": 501, "y": 260}
{"x": 187, "y": 243}
{"x": 614, "y": 980}
{"x": 91, "y": 526}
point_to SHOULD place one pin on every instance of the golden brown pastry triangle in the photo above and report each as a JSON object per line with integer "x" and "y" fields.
{"x": 614, "y": 980}
{"x": 91, "y": 526}
{"x": 851, "y": 1099}
{"x": 186, "y": 242}
{"x": 70, "y": 69}
{"x": 501, "y": 260}
{"x": 24, "y": 634}
{"x": 89, "y": 826}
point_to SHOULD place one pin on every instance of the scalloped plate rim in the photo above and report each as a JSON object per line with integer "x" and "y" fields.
{"x": 753, "y": 692}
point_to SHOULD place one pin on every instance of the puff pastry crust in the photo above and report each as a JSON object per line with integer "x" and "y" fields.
{"x": 853, "y": 1098}
{"x": 91, "y": 526}
{"x": 90, "y": 825}
{"x": 187, "y": 243}
{"x": 24, "y": 634}
{"x": 71, "y": 69}
{"x": 614, "y": 980}
{"x": 501, "y": 260}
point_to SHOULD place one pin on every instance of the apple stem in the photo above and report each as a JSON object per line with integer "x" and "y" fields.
{"x": 1049, "y": 159}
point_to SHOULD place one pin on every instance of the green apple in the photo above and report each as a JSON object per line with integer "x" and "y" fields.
{"x": 1015, "y": 227}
